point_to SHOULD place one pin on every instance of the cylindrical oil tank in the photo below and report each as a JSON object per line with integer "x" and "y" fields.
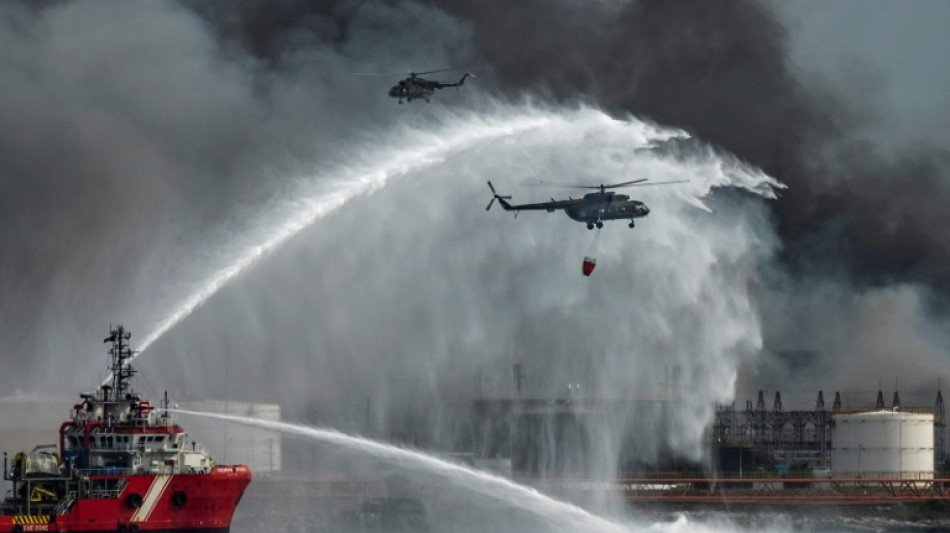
{"x": 886, "y": 443}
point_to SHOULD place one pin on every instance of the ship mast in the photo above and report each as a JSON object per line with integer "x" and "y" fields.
{"x": 121, "y": 354}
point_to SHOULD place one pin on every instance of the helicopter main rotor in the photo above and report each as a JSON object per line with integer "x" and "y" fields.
{"x": 602, "y": 187}
{"x": 410, "y": 75}
{"x": 416, "y": 74}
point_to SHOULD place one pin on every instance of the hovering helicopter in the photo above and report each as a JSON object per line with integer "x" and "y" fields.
{"x": 594, "y": 208}
{"x": 414, "y": 87}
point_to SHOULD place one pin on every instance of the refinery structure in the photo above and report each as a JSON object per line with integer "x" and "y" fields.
{"x": 844, "y": 438}
{"x": 909, "y": 440}
{"x": 833, "y": 454}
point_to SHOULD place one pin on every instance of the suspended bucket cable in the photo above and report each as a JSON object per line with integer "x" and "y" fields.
{"x": 590, "y": 262}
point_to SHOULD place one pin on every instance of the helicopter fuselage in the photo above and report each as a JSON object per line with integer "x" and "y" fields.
{"x": 597, "y": 207}
{"x": 414, "y": 88}
{"x": 410, "y": 90}
{"x": 593, "y": 209}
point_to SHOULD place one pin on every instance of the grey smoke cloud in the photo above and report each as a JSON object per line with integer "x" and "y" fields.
{"x": 856, "y": 216}
{"x": 130, "y": 152}
{"x": 734, "y": 74}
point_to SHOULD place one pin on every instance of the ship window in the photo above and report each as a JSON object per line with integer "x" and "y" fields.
{"x": 109, "y": 442}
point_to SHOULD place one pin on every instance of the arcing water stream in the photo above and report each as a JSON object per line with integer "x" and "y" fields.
{"x": 550, "y": 514}
{"x": 417, "y": 149}
{"x": 544, "y": 514}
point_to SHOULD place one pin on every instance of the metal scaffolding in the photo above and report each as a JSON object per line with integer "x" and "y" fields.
{"x": 802, "y": 435}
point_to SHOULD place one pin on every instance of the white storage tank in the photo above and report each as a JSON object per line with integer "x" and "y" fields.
{"x": 883, "y": 443}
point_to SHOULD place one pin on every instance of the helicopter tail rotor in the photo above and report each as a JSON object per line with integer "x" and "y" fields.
{"x": 496, "y": 196}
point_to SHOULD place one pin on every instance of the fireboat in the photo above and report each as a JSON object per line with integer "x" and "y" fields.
{"x": 123, "y": 465}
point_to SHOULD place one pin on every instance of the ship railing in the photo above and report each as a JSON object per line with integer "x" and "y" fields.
{"x": 926, "y": 475}
{"x": 105, "y": 471}
{"x": 99, "y": 494}
{"x": 195, "y": 447}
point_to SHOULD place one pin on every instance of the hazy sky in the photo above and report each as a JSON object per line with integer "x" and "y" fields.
{"x": 889, "y": 51}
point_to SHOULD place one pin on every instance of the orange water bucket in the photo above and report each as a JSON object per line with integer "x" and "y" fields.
{"x": 589, "y": 264}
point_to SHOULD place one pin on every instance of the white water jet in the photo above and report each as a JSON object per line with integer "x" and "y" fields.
{"x": 553, "y": 514}
{"x": 416, "y": 149}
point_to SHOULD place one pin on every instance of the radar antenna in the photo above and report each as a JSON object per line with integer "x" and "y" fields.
{"x": 121, "y": 354}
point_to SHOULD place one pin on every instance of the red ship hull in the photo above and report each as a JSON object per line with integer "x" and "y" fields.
{"x": 162, "y": 503}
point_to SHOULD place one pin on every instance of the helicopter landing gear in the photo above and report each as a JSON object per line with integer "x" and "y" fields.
{"x": 590, "y": 225}
{"x": 600, "y": 224}
{"x": 632, "y": 224}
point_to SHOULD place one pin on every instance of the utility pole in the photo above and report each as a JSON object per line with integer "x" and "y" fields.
{"x": 519, "y": 378}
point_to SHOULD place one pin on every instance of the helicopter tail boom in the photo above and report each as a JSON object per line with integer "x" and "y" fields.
{"x": 440, "y": 85}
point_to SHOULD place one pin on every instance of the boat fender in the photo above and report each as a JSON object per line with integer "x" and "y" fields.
{"x": 179, "y": 499}
{"x": 134, "y": 500}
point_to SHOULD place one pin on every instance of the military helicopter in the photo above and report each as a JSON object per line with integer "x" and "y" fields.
{"x": 594, "y": 208}
{"x": 414, "y": 87}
